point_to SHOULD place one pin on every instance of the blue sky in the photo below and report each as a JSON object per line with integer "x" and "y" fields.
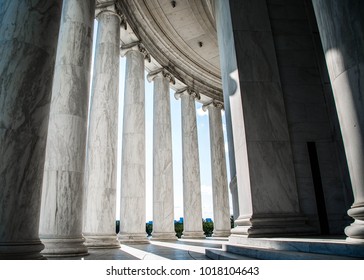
{"x": 204, "y": 150}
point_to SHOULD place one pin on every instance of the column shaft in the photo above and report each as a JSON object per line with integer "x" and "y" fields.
{"x": 28, "y": 40}
{"x": 163, "y": 200}
{"x": 62, "y": 197}
{"x": 132, "y": 203}
{"x": 100, "y": 179}
{"x": 220, "y": 192}
{"x": 341, "y": 27}
{"x": 192, "y": 208}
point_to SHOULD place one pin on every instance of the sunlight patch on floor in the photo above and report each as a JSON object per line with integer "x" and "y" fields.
{"x": 140, "y": 254}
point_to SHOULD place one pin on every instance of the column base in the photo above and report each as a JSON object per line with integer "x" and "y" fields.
{"x": 221, "y": 233}
{"x": 101, "y": 241}
{"x": 164, "y": 236}
{"x": 64, "y": 247}
{"x": 193, "y": 235}
{"x": 268, "y": 225}
{"x": 130, "y": 238}
{"x": 28, "y": 250}
{"x": 355, "y": 232}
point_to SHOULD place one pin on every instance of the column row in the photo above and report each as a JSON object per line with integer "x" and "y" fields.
{"x": 79, "y": 189}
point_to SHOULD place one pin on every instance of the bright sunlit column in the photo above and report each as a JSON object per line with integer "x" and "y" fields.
{"x": 163, "y": 200}
{"x": 133, "y": 186}
{"x": 101, "y": 168}
{"x": 192, "y": 208}
{"x": 220, "y": 195}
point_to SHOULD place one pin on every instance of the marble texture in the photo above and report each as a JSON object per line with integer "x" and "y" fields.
{"x": 311, "y": 116}
{"x": 268, "y": 199}
{"x": 132, "y": 193}
{"x": 234, "y": 197}
{"x": 62, "y": 198}
{"x": 101, "y": 165}
{"x": 220, "y": 195}
{"x": 343, "y": 44}
{"x": 228, "y": 60}
{"x": 163, "y": 199}
{"x": 192, "y": 208}
{"x": 28, "y": 41}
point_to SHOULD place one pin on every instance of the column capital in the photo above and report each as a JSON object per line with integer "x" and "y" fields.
{"x": 187, "y": 91}
{"x": 161, "y": 73}
{"x": 213, "y": 104}
{"x": 109, "y": 7}
{"x": 136, "y": 46}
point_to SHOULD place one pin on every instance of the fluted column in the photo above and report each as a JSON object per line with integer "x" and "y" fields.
{"x": 192, "y": 209}
{"x": 132, "y": 201}
{"x": 62, "y": 197}
{"x": 220, "y": 195}
{"x": 28, "y": 40}
{"x": 163, "y": 200}
{"x": 100, "y": 179}
{"x": 341, "y": 27}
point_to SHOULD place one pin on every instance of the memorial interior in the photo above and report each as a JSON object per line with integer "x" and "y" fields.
{"x": 287, "y": 73}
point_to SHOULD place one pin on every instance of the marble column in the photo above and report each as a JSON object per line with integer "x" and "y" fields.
{"x": 192, "y": 208}
{"x": 341, "y": 27}
{"x": 100, "y": 176}
{"x": 132, "y": 200}
{"x": 220, "y": 191}
{"x": 62, "y": 197}
{"x": 267, "y": 191}
{"x": 163, "y": 200}
{"x": 28, "y": 41}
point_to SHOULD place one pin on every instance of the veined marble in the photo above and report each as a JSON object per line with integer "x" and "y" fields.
{"x": 100, "y": 179}
{"x": 192, "y": 208}
{"x": 343, "y": 44}
{"x": 268, "y": 199}
{"x": 132, "y": 194}
{"x": 62, "y": 197}
{"x": 28, "y": 40}
{"x": 220, "y": 191}
{"x": 163, "y": 200}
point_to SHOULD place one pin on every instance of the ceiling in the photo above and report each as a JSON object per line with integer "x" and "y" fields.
{"x": 181, "y": 38}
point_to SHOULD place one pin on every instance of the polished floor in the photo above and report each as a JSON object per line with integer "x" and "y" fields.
{"x": 181, "y": 249}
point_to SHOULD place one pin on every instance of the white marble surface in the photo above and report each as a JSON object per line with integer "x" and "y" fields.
{"x": 264, "y": 165}
{"x": 220, "y": 191}
{"x": 28, "y": 40}
{"x": 132, "y": 203}
{"x": 100, "y": 174}
{"x": 234, "y": 197}
{"x": 62, "y": 197}
{"x": 163, "y": 199}
{"x": 342, "y": 41}
{"x": 192, "y": 208}
{"x": 228, "y": 86}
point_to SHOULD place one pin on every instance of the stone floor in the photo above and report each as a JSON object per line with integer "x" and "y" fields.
{"x": 181, "y": 249}
{"x": 194, "y": 249}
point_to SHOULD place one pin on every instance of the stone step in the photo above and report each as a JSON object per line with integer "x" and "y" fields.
{"x": 219, "y": 254}
{"x": 308, "y": 245}
{"x": 276, "y": 254}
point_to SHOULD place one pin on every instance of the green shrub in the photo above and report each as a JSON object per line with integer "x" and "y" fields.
{"x": 208, "y": 228}
{"x": 178, "y": 227}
